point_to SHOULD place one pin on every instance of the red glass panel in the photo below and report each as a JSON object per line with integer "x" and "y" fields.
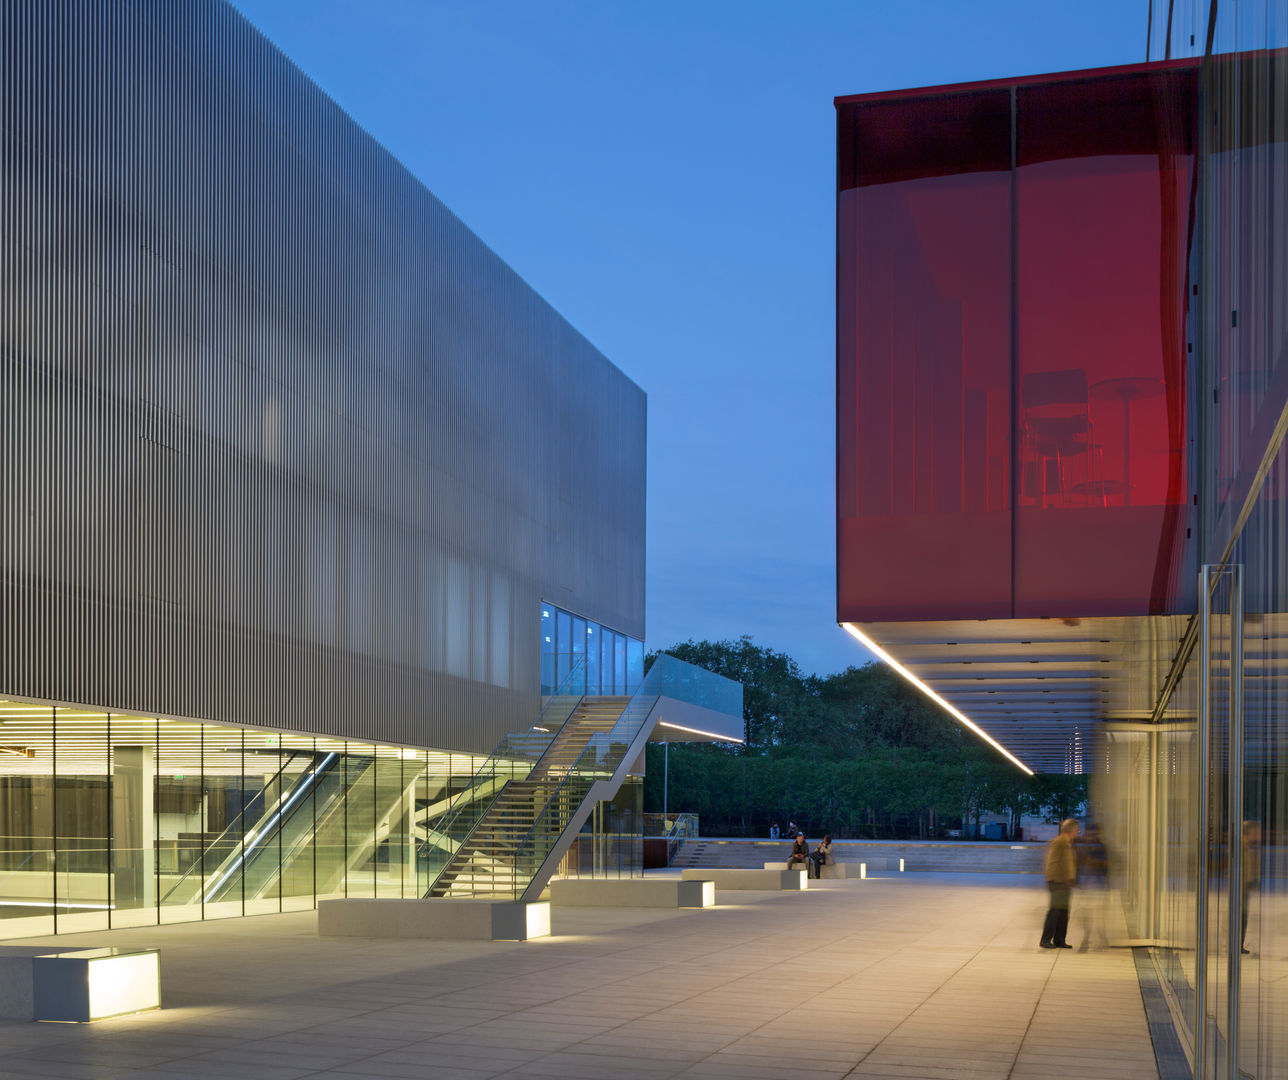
{"x": 945, "y": 416}
{"x": 1103, "y": 194}
{"x": 924, "y": 399}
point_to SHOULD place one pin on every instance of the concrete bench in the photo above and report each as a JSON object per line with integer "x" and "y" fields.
{"x": 77, "y": 985}
{"x": 763, "y": 880}
{"x": 437, "y": 918}
{"x": 834, "y": 870}
{"x": 632, "y": 892}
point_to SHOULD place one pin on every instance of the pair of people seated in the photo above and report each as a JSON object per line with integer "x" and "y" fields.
{"x": 802, "y": 858}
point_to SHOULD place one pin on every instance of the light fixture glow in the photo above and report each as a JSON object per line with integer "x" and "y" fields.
{"x": 952, "y": 710}
{"x": 699, "y": 731}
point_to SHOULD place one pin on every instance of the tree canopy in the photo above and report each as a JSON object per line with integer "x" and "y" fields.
{"x": 858, "y": 753}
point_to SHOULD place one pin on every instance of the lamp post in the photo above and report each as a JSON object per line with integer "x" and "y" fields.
{"x": 666, "y": 778}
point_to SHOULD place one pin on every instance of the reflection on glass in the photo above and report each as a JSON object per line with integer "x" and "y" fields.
{"x": 82, "y": 880}
{"x": 614, "y": 663}
{"x": 26, "y": 820}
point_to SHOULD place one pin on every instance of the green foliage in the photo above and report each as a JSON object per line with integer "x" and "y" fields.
{"x": 857, "y": 754}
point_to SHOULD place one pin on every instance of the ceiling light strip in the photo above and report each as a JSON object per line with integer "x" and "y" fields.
{"x": 957, "y": 714}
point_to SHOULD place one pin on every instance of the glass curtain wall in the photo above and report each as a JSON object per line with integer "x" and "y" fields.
{"x": 614, "y": 662}
{"x": 611, "y": 843}
{"x": 110, "y": 819}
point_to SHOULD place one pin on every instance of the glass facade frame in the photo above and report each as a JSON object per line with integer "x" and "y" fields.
{"x": 115, "y": 820}
{"x": 614, "y": 662}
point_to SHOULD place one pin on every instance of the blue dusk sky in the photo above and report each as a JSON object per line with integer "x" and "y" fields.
{"x": 663, "y": 173}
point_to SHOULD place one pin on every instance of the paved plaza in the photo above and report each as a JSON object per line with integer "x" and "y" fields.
{"x": 934, "y": 976}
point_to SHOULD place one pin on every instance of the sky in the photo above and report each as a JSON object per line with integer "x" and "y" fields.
{"x": 663, "y": 173}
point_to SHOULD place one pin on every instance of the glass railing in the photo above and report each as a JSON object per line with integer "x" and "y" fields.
{"x": 513, "y": 759}
{"x": 695, "y": 685}
{"x": 675, "y": 828}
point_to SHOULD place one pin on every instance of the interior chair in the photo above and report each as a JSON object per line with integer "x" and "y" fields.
{"x": 1057, "y": 432}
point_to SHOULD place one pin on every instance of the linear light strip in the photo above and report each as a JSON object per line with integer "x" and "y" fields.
{"x": 699, "y": 731}
{"x": 955, "y": 712}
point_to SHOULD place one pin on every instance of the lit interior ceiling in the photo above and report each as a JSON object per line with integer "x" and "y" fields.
{"x": 181, "y": 747}
{"x": 1040, "y": 686}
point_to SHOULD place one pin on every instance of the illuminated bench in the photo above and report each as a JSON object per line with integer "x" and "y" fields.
{"x": 834, "y": 870}
{"x": 762, "y": 880}
{"x": 449, "y": 918}
{"x": 81, "y": 985}
{"x": 633, "y": 892}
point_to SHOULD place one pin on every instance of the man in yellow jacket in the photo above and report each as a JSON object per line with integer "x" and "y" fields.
{"x": 1061, "y": 876}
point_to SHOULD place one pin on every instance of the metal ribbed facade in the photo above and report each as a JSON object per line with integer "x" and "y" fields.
{"x": 281, "y": 441}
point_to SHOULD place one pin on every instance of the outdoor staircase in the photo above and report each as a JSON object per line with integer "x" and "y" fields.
{"x": 504, "y": 849}
{"x": 508, "y": 831}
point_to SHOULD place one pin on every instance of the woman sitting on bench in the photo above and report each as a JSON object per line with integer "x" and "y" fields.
{"x": 822, "y": 855}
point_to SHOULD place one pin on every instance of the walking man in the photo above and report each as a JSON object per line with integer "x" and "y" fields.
{"x": 1061, "y": 876}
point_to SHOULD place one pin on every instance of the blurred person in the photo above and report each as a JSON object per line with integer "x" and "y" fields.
{"x": 773, "y": 831}
{"x": 1061, "y": 877}
{"x": 1093, "y": 872}
{"x": 1250, "y": 832}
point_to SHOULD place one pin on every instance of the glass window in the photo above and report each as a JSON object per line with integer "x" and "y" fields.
{"x": 133, "y": 842}
{"x": 300, "y": 768}
{"x": 619, "y": 663}
{"x": 82, "y": 821}
{"x": 579, "y": 648}
{"x": 267, "y": 784}
{"x": 923, "y": 358}
{"x": 594, "y": 635}
{"x": 27, "y": 820}
{"x": 329, "y": 840}
{"x": 547, "y": 650}
{"x": 606, "y": 645}
{"x": 223, "y": 803}
{"x": 634, "y": 664}
{"x": 180, "y": 809}
{"x": 563, "y": 641}
{"x": 1103, "y": 197}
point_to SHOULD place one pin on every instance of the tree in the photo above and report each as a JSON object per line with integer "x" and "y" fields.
{"x": 856, "y": 753}
{"x": 1058, "y": 796}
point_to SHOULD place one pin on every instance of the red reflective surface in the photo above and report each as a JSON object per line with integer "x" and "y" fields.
{"x": 1011, "y": 437}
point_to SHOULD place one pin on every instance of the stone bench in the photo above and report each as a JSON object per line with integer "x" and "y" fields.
{"x": 77, "y": 985}
{"x": 762, "y": 880}
{"x": 437, "y": 918}
{"x": 834, "y": 870}
{"x": 633, "y": 892}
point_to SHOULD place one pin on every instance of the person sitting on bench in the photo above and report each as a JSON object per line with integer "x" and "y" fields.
{"x": 822, "y": 855}
{"x": 799, "y": 858}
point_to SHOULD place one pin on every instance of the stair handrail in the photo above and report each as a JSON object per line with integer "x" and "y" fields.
{"x": 574, "y": 774}
{"x": 667, "y": 677}
{"x": 620, "y": 735}
{"x": 558, "y": 708}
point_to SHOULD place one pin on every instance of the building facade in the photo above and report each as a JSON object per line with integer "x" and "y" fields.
{"x": 1062, "y": 399}
{"x": 297, "y": 477}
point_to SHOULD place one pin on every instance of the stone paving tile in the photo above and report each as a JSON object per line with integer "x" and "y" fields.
{"x": 920, "y": 977}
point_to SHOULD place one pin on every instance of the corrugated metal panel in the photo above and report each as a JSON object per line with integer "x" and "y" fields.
{"x": 284, "y": 443}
